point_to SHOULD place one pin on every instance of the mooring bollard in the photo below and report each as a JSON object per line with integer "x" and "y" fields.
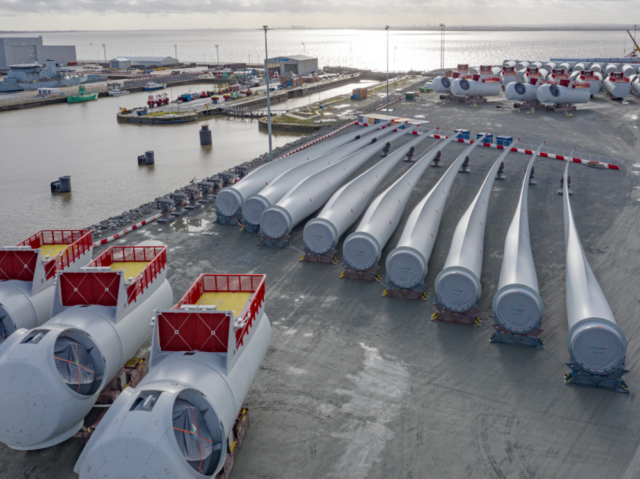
{"x": 205, "y": 136}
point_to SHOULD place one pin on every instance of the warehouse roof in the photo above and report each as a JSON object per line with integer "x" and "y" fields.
{"x": 136, "y": 58}
{"x": 294, "y": 57}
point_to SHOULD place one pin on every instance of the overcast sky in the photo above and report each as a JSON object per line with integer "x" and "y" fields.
{"x": 180, "y": 14}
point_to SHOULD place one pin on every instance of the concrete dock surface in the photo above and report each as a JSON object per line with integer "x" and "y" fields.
{"x": 356, "y": 385}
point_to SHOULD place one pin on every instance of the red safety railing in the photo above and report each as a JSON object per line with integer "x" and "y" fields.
{"x": 79, "y": 242}
{"x": 231, "y": 283}
{"x": 463, "y": 68}
{"x": 491, "y": 80}
{"x": 618, "y": 77}
{"x": 579, "y": 85}
{"x": 156, "y": 256}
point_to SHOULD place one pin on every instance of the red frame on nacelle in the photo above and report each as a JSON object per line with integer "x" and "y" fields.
{"x": 20, "y": 265}
{"x": 183, "y": 330}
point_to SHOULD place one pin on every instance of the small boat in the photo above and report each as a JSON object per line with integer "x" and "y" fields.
{"x": 118, "y": 92}
{"x": 154, "y": 86}
{"x": 82, "y": 96}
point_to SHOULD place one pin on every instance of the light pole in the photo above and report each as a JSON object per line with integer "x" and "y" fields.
{"x": 175, "y": 47}
{"x": 104, "y": 46}
{"x": 304, "y": 48}
{"x": 442, "y": 27}
{"x": 266, "y": 74}
{"x": 387, "y": 29}
{"x": 394, "y": 58}
{"x": 217, "y": 56}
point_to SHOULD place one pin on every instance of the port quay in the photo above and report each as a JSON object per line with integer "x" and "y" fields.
{"x": 434, "y": 276}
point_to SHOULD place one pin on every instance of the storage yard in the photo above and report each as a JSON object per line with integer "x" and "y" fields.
{"x": 356, "y": 384}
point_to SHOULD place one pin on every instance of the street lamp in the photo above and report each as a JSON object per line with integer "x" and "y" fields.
{"x": 442, "y": 31}
{"x": 387, "y": 29}
{"x": 104, "y": 46}
{"x": 394, "y": 58}
{"x": 175, "y": 47}
{"x": 304, "y": 48}
{"x": 217, "y": 56}
{"x": 266, "y": 74}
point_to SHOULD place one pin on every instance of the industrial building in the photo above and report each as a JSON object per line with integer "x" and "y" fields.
{"x": 124, "y": 62}
{"x": 16, "y": 50}
{"x": 298, "y": 64}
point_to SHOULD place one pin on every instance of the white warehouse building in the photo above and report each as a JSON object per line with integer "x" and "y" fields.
{"x": 298, "y": 64}
{"x": 17, "y": 50}
{"x": 124, "y": 62}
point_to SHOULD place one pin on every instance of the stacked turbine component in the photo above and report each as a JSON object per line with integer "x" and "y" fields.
{"x": 458, "y": 286}
{"x": 517, "y": 305}
{"x": 508, "y": 75}
{"x": 230, "y": 199}
{"x": 628, "y": 70}
{"x": 596, "y": 67}
{"x": 178, "y": 422}
{"x": 611, "y": 68}
{"x": 593, "y": 79}
{"x": 563, "y": 93}
{"x": 407, "y": 264}
{"x": 313, "y": 192}
{"x": 256, "y": 205}
{"x": 363, "y": 248}
{"x": 634, "y": 84}
{"x": 28, "y": 272}
{"x": 535, "y": 73}
{"x": 617, "y": 85}
{"x": 51, "y": 376}
{"x": 441, "y": 84}
{"x": 517, "y": 91}
{"x": 322, "y": 233}
{"x": 475, "y": 86}
{"x": 596, "y": 344}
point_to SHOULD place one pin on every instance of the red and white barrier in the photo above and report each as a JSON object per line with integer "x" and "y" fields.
{"x": 126, "y": 230}
{"x": 553, "y": 156}
{"x": 318, "y": 139}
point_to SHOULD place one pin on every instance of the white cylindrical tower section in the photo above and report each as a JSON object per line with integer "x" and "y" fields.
{"x": 517, "y": 305}
{"x": 441, "y": 84}
{"x": 458, "y": 284}
{"x": 312, "y": 193}
{"x": 407, "y": 264}
{"x": 596, "y": 343}
{"x": 363, "y": 248}
{"x": 256, "y": 205}
{"x": 347, "y": 204}
{"x": 617, "y": 86}
{"x": 521, "y": 91}
{"x": 468, "y": 87}
{"x": 230, "y": 199}
{"x": 552, "y": 94}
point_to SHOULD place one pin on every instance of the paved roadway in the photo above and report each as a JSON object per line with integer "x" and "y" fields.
{"x": 360, "y": 386}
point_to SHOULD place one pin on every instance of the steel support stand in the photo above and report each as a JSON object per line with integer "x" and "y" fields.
{"x": 398, "y": 292}
{"x": 468, "y": 318}
{"x": 611, "y": 381}
{"x": 370, "y": 274}
{"x": 282, "y": 242}
{"x": 326, "y": 258}
{"x": 530, "y": 339}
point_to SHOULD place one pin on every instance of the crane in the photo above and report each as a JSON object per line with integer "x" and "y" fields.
{"x": 634, "y": 42}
